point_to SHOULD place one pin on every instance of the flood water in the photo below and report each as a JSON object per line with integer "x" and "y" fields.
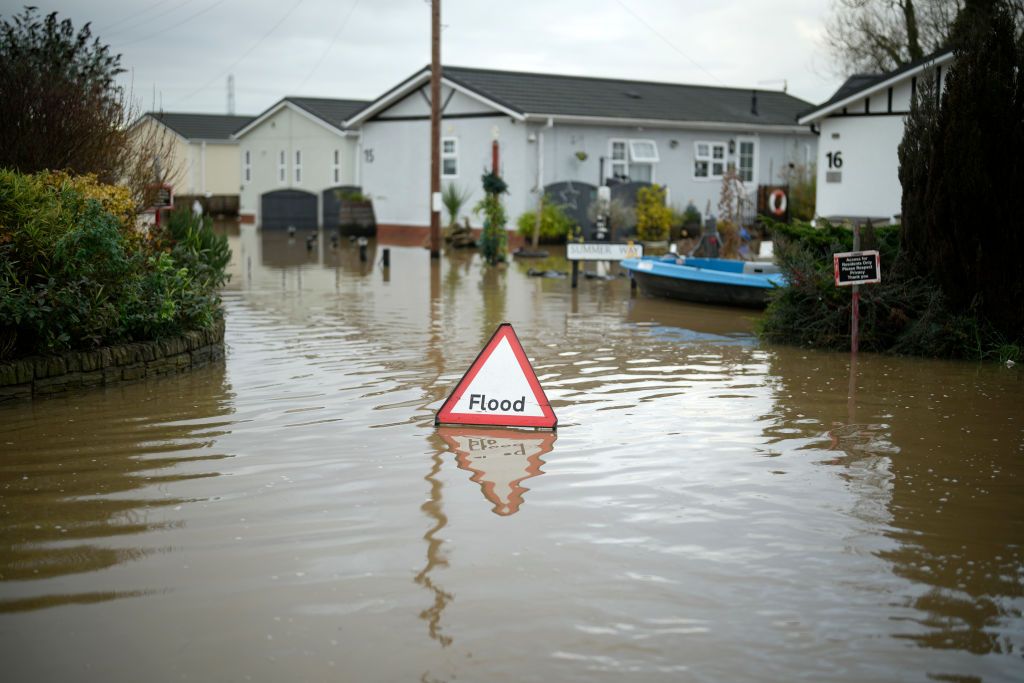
{"x": 710, "y": 509}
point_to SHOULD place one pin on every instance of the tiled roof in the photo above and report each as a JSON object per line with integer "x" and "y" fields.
{"x": 201, "y": 126}
{"x": 328, "y": 110}
{"x": 862, "y": 82}
{"x": 551, "y": 94}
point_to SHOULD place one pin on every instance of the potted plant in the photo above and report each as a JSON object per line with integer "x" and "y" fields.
{"x": 454, "y": 198}
{"x": 356, "y": 215}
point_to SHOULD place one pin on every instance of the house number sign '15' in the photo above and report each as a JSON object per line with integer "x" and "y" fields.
{"x": 835, "y": 159}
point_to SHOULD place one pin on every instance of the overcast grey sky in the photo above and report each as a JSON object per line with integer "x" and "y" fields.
{"x": 185, "y": 49}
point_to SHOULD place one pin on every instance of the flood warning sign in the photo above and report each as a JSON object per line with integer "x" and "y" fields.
{"x": 499, "y": 389}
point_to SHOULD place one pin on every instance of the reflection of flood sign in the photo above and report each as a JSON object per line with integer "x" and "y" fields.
{"x": 500, "y": 388}
{"x": 602, "y": 251}
{"x": 857, "y": 268}
{"x": 500, "y": 460}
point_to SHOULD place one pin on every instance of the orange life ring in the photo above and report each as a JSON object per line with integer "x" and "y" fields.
{"x": 777, "y": 203}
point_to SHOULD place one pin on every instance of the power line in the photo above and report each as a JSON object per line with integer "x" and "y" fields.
{"x": 164, "y": 29}
{"x": 668, "y": 42}
{"x": 245, "y": 54}
{"x": 150, "y": 20}
{"x": 334, "y": 38}
{"x": 158, "y": 3}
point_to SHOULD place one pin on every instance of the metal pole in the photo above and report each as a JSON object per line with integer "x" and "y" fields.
{"x": 575, "y": 273}
{"x": 435, "y": 127}
{"x": 855, "y": 314}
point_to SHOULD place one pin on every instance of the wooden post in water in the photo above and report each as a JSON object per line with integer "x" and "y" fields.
{"x": 435, "y": 127}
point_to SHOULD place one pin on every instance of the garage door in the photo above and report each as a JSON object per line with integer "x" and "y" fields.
{"x": 281, "y": 208}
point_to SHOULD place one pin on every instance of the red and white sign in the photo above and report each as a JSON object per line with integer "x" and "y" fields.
{"x": 499, "y": 389}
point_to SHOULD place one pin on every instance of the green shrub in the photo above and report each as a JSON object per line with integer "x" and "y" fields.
{"x": 493, "y": 237}
{"x": 653, "y": 218}
{"x": 555, "y": 225}
{"x": 72, "y": 275}
{"x": 903, "y": 314}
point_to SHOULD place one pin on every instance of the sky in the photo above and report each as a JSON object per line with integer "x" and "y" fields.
{"x": 179, "y": 53}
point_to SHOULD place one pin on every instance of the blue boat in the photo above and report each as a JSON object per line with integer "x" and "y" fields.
{"x": 706, "y": 280}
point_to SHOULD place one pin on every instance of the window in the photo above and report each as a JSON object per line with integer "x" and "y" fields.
{"x": 620, "y": 164}
{"x": 282, "y": 165}
{"x": 336, "y": 166}
{"x": 709, "y": 160}
{"x": 747, "y": 159}
{"x": 298, "y": 167}
{"x": 643, "y": 151}
{"x": 247, "y": 166}
{"x": 449, "y": 157}
{"x": 633, "y": 159}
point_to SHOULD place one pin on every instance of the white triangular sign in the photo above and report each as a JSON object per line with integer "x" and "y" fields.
{"x": 500, "y": 388}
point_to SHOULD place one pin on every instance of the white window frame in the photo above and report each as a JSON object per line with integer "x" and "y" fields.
{"x": 739, "y": 158}
{"x": 453, "y": 155}
{"x": 336, "y": 166}
{"x": 247, "y": 166}
{"x": 631, "y": 155}
{"x": 282, "y": 167}
{"x": 634, "y": 157}
{"x": 710, "y": 158}
{"x": 298, "y": 167}
{"x": 622, "y": 162}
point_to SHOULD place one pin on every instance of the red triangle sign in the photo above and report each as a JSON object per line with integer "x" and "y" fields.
{"x": 499, "y": 389}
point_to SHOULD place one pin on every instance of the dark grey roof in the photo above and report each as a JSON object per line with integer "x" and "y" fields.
{"x": 861, "y": 82}
{"x": 201, "y": 126}
{"x": 328, "y": 110}
{"x": 533, "y": 93}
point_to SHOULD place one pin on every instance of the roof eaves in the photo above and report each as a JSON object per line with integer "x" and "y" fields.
{"x": 394, "y": 94}
{"x": 670, "y": 123}
{"x": 884, "y": 81}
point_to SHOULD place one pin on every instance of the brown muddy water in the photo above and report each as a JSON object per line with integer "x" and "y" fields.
{"x": 710, "y": 509}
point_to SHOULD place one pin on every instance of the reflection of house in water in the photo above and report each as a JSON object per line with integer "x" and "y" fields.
{"x": 500, "y": 460}
{"x": 929, "y": 451}
{"x": 268, "y": 258}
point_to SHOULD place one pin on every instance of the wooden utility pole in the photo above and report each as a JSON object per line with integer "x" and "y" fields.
{"x": 435, "y": 128}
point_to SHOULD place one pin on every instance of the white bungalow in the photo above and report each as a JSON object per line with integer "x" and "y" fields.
{"x": 203, "y": 159}
{"x": 292, "y": 158}
{"x": 860, "y": 128}
{"x": 554, "y": 128}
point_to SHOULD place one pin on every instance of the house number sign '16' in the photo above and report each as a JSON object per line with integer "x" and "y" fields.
{"x": 835, "y": 159}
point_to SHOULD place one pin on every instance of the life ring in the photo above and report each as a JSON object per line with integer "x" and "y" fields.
{"x": 777, "y": 203}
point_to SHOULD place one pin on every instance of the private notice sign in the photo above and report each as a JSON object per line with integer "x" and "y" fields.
{"x": 857, "y": 268}
{"x": 499, "y": 389}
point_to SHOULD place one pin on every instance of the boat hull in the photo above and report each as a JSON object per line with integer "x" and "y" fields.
{"x": 708, "y": 281}
{"x": 702, "y": 292}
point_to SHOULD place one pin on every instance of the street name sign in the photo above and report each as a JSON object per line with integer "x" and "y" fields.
{"x": 500, "y": 389}
{"x": 602, "y": 251}
{"x": 857, "y": 268}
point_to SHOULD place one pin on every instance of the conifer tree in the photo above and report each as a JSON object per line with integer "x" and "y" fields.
{"x": 961, "y": 171}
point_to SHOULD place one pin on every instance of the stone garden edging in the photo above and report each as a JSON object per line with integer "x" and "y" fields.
{"x": 58, "y": 373}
